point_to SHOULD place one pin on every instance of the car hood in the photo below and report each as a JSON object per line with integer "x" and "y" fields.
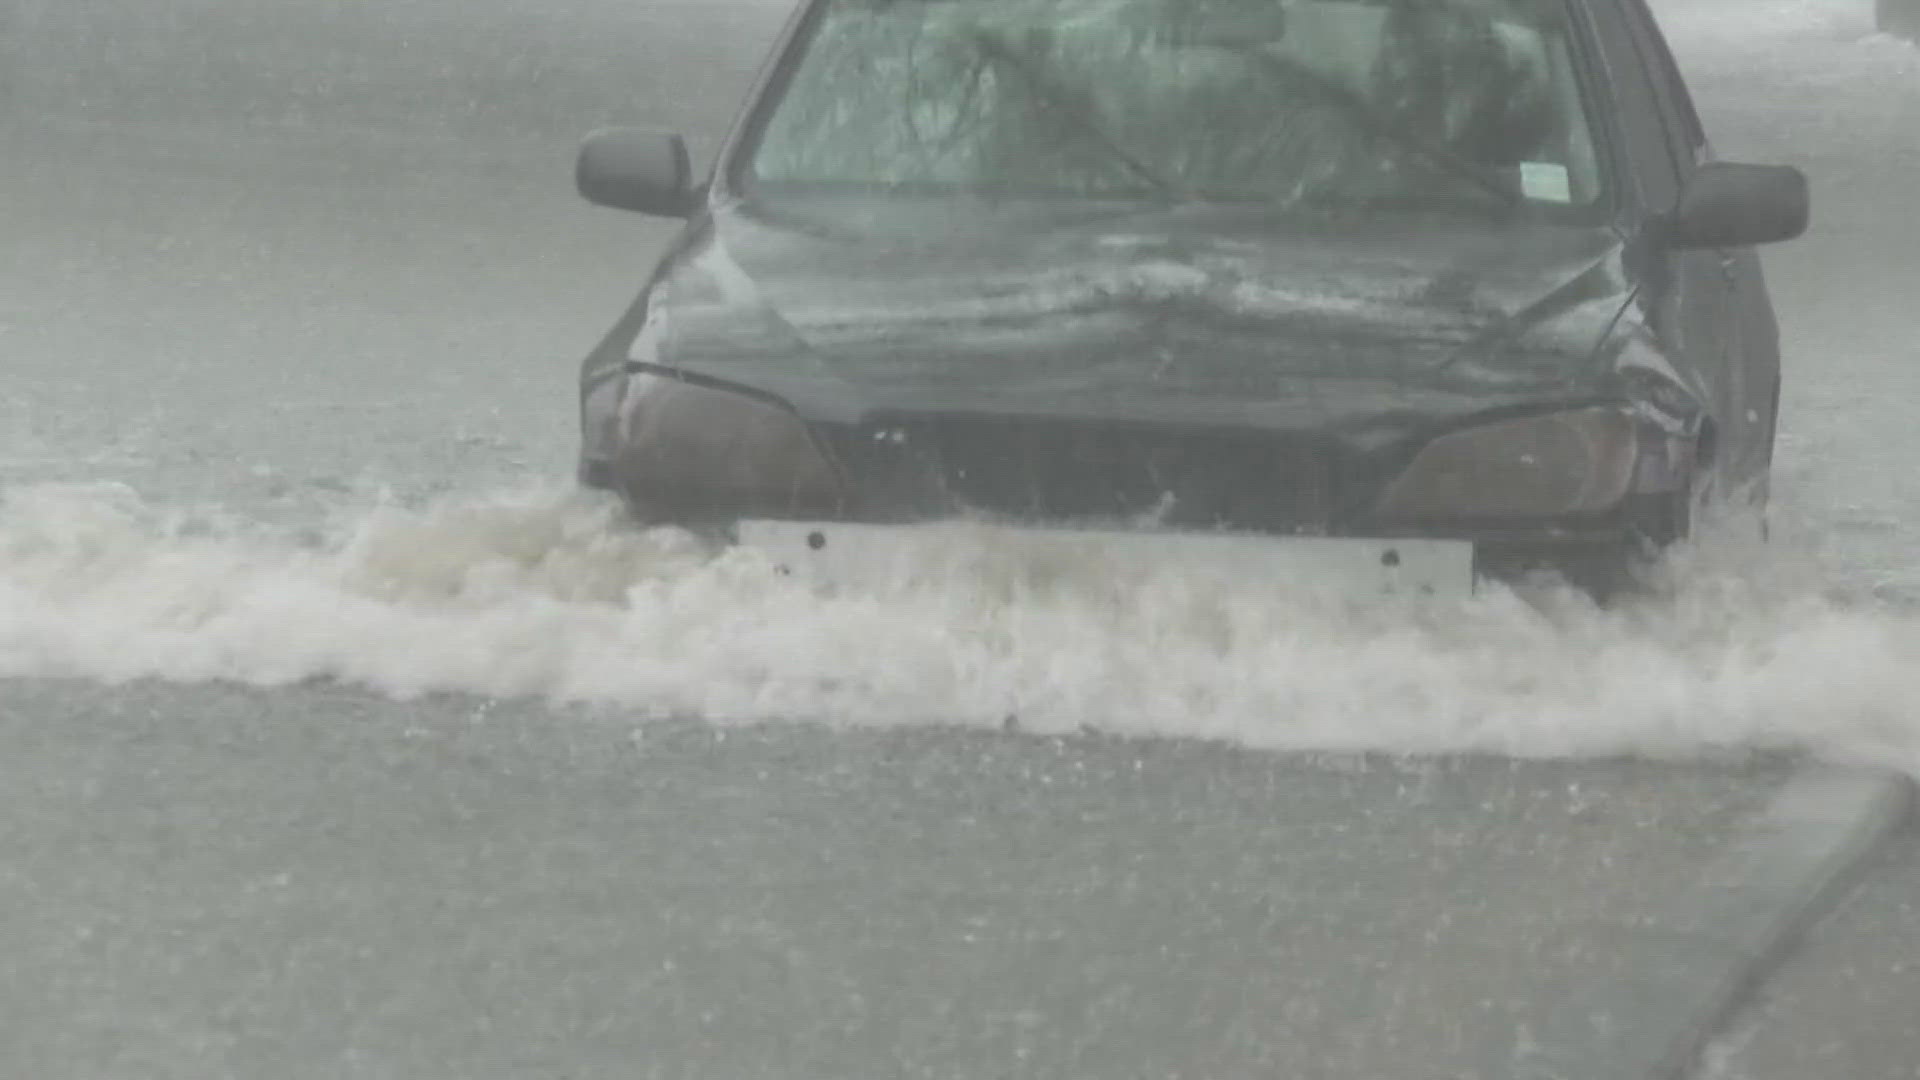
{"x": 1186, "y": 314}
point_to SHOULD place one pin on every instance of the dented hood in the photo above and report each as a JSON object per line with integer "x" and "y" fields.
{"x": 1186, "y": 314}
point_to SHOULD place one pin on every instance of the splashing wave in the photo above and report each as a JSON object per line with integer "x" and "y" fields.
{"x": 546, "y": 593}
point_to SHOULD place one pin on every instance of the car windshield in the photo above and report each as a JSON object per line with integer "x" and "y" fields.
{"x": 1426, "y": 104}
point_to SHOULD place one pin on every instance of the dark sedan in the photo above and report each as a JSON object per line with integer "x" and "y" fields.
{"x": 1417, "y": 289}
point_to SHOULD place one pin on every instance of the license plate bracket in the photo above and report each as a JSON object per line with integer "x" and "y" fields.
{"x": 853, "y": 555}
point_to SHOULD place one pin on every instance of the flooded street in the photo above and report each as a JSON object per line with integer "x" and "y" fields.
{"x": 341, "y": 736}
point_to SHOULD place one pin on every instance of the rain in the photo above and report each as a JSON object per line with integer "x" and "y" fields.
{"x": 343, "y": 734}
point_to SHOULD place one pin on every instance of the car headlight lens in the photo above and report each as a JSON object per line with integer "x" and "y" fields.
{"x": 695, "y": 449}
{"x": 1575, "y": 462}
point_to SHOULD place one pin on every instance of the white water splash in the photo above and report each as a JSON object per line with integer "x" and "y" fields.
{"x": 548, "y": 594}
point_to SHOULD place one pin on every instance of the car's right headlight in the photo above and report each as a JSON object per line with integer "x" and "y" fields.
{"x": 1560, "y": 464}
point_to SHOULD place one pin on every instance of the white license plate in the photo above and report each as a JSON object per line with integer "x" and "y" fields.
{"x": 842, "y": 555}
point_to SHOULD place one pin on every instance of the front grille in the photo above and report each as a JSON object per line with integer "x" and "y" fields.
{"x": 1070, "y": 470}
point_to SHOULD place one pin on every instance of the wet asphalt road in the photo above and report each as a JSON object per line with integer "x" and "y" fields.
{"x": 368, "y": 279}
{"x": 213, "y": 882}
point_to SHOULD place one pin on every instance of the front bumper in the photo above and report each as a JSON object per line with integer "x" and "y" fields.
{"x": 686, "y": 450}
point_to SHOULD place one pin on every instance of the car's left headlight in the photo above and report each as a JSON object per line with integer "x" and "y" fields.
{"x": 1561, "y": 464}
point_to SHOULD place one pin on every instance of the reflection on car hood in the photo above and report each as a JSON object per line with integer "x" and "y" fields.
{"x": 1202, "y": 314}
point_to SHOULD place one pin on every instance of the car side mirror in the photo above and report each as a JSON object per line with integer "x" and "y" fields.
{"x": 643, "y": 171}
{"x": 1729, "y": 206}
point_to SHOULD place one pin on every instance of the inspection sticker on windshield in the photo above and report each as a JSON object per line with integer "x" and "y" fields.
{"x": 1546, "y": 182}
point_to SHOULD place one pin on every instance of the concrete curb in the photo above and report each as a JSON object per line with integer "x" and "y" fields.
{"x": 1731, "y": 928}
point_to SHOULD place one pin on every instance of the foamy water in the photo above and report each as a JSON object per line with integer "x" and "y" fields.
{"x": 550, "y": 594}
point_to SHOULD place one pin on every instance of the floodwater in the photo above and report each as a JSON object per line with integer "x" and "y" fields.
{"x": 340, "y": 736}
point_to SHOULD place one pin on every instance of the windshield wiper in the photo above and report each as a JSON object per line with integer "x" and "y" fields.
{"x": 1056, "y": 99}
{"x": 1355, "y": 110}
